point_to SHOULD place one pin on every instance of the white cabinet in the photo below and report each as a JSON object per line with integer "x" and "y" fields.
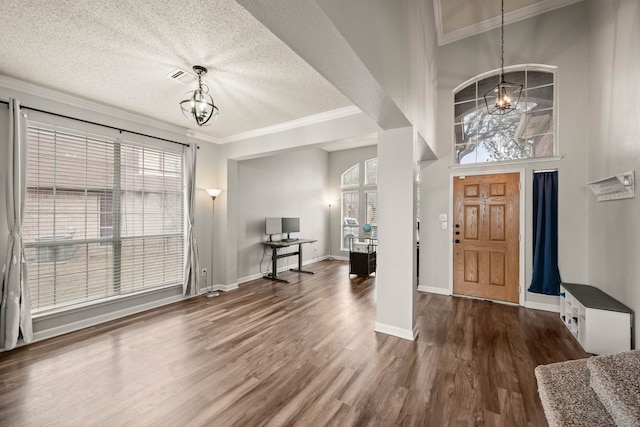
{"x": 601, "y": 324}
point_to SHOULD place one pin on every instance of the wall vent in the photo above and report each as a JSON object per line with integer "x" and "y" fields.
{"x": 182, "y": 76}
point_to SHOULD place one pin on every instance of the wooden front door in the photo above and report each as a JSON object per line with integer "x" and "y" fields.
{"x": 486, "y": 236}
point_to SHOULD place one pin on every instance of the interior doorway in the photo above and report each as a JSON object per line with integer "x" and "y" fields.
{"x": 486, "y": 236}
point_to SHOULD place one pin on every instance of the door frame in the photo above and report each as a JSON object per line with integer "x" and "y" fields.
{"x": 521, "y": 225}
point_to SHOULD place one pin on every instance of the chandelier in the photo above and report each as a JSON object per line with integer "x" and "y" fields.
{"x": 505, "y": 96}
{"x": 198, "y": 105}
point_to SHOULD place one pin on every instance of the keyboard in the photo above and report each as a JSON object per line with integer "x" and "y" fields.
{"x": 290, "y": 240}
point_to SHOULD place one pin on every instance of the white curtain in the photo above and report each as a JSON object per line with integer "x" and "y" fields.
{"x": 192, "y": 266}
{"x": 15, "y": 312}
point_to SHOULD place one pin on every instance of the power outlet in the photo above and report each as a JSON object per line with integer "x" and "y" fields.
{"x": 204, "y": 271}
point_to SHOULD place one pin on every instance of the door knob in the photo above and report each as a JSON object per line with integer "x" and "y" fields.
{"x": 457, "y": 225}
{"x": 457, "y": 233}
{"x": 457, "y": 240}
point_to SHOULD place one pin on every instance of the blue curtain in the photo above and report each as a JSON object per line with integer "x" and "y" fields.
{"x": 546, "y": 276}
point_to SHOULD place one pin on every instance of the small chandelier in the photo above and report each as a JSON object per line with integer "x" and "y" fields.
{"x": 505, "y": 96}
{"x": 198, "y": 105}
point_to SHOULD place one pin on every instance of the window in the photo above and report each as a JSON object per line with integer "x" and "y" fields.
{"x": 354, "y": 195}
{"x": 371, "y": 172}
{"x": 372, "y": 212}
{"x": 351, "y": 176}
{"x": 103, "y": 217}
{"x": 350, "y": 215}
{"x": 528, "y": 132}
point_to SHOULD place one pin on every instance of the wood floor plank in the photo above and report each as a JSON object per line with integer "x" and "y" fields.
{"x": 297, "y": 354}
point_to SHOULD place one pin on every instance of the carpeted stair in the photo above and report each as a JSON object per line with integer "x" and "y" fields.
{"x": 599, "y": 391}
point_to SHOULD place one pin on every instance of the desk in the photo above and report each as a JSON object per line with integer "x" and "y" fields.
{"x": 275, "y": 245}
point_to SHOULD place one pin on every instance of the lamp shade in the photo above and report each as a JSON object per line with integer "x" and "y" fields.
{"x": 214, "y": 192}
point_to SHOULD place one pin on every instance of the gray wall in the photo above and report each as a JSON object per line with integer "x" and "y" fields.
{"x": 50, "y": 325}
{"x": 339, "y": 162}
{"x": 613, "y": 228}
{"x": 556, "y": 38}
{"x": 287, "y": 185}
{"x": 397, "y": 42}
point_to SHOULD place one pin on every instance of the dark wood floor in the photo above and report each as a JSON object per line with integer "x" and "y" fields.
{"x": 303, "y": 353}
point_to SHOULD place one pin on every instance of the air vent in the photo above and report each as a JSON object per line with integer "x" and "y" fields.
{"x": 182, "y": 76}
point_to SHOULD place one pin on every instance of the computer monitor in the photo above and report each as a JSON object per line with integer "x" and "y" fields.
{"x": 290, "y": 225}
{"x": 272, "y": 226}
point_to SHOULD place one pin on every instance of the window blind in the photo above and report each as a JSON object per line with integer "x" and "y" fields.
{"x": 372, "y": 212}
{"x": 103, "y": 217}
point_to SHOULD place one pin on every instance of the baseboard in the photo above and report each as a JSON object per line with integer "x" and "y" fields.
{"x": 225, "y": 288}
{"x": 406, "y": 334}
{"x": 555, "y": 308}
{"x": 96, "y": 320}
{"x": 280, "y": 270}
{"x": 434, "y": 290}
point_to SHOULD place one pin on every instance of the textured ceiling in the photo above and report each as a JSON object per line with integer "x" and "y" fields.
{"x": 118, "y": 53}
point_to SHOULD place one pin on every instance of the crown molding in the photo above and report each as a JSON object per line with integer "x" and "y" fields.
{"x": 304, "y": 121}
{"x": 81, "y": 103}
{"x": 74, "y": 101}
{"x": 495, "y": 22}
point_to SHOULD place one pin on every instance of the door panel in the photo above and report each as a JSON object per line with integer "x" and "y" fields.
{"x": 486, "y": 236}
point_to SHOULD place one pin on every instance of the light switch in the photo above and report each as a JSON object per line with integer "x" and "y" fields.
{"x": 443, "y": 225}
{"x": 442, "y": 217}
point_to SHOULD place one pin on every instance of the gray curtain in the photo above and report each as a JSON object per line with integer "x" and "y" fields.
{"x": 191, "y": 285}
{"x": 15, "y": 311}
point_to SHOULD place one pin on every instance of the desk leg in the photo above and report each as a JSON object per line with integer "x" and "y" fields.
{"x": 299, "y": 269}
{"x": 274, "y": 267}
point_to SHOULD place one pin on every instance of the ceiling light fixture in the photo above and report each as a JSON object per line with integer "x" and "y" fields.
{"x": 198, "y": 105}
{"x": 505, "y": 96}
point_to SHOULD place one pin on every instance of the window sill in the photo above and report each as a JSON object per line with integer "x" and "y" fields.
{"x": 506, "y": 162}
{"x": 66, "y": 310}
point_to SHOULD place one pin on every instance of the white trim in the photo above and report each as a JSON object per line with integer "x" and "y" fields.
{"x": 88, "y": 305}
{"x": 555, "y": 308}
{"x": 53, "y": 95}
{"x": 96, "y": 320}
{"x": 225, "y": 288}
{"x": 506, "y": 163}
{"x": 112, "y": 112}
{"x": 304, "y": 121}
{"x": 406, "y": 334}
{"x": 494, "y": 22}
{"x": 281, "y": 269}
{"x": 521, "y": 228}
{"x": 434, "y": 290}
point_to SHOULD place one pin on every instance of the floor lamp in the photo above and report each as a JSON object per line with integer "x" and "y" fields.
{"x": 331, "y": 258}
{"x": 213, "y": 192}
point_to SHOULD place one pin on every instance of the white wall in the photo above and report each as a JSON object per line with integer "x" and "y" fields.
{"x": 397, "y": 43}
{"x": 339, "y": 162}
{"x": 556, "y": 38}
{"x": 287, "y": 185}
{"x": 613, "y": 228}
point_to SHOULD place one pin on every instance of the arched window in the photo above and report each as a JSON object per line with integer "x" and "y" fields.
{"x": 525, "y": 133}
{"x": 359, "y": 202}
{"x": 351, "y": 176}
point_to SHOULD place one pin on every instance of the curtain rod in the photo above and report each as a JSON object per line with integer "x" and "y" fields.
{"x": 545, "y": 170}
{"x": 98, "y": 124}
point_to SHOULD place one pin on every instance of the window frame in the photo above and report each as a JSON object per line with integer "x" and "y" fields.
{"x": 103, "y": 239}
{"x": 551, "y": 69}
{"x": 362, "y": 189}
